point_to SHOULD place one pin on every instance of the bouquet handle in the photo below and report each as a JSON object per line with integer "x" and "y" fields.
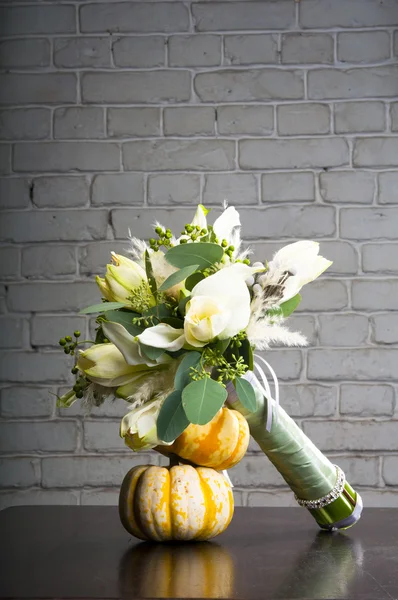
{"x": 318, "y": 485}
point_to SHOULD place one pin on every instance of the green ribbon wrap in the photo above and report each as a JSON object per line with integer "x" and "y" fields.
{"x": 306, "y": 470}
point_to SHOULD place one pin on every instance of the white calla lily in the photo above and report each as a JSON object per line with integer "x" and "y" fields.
{"x": 302, "y": 261}
{"x": 200, "y": 217}
{"x": 199, "y": 220}
{"x": 227, "y": 227}
{"x": 138, "y": 427}
{"x": 128, "y": 345}
{"x": 163, "y": 336}
{"x": 219, "y": 305}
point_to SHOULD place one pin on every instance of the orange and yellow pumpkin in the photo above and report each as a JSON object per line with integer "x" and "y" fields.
{"x": 176, "y": 503}
{"x": 220, "y": 444}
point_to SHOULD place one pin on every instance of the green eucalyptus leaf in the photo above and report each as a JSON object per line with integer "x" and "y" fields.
{"x": 222, "y": 345}
{"x": 192, "y": 280}
{"x": 125, "y": 318}
{"x": 160, "y": 311}
{"x": 290, "y": 305}
{"x": 203, "y": 399}
{"x": 151, "y": 352}
{"x": 172, "y": 420}
{"x": 176, "y": 353}
{"x": 201, "y": 254}
{"x": 177, "y": 277}
{"x": 174, "y": 322}
{"x": 102, "y": 307}
{"x": 182, "y": 378}
{"x": 245, "y": 393}
{"x": 182, "y": 304}
{"x": 149, "y": 273}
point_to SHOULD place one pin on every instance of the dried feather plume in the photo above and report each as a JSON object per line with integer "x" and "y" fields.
{"x": 156, "y": 385}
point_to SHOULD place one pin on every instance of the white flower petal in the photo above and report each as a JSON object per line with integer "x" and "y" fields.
{"x": 200, "y": 217}
{"x": 139, "y": 425}
{"x": 223, "y": 282}
{"x": 227, "y": 227}
{"x": 228, "y": 287}
{"x": 163, "y": 336}
{"x": 104, "y": 364}
{"x": 302, "y": 261}
{"x": 298, "y": 252}
{"x": 126, "y": 343}
{"x": 291, "y": 288}
{"x": 205, "y": 319}
{"x": 312, "y": 270}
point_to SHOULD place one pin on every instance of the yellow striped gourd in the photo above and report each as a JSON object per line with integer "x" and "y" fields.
{"x": 175, "y": 503}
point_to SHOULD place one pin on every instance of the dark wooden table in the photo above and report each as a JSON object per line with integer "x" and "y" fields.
{"x": 266, "y": 553}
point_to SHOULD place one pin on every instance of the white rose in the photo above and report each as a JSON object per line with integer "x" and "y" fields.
{"x": 206, "y": 318}
{"x": 219, "y": 306}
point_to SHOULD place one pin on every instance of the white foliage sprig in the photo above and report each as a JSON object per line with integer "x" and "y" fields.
{"x": 263, "y": 333}
{"x": 137, "y": 249}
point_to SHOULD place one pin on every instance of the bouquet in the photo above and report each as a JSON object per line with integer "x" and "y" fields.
{"x": 177, "y": 329}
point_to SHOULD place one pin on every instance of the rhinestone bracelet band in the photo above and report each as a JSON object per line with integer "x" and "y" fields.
{"x": 330, "y": 497}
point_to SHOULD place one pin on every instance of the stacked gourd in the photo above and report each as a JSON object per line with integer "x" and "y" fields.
{"x": 192, "y": 499}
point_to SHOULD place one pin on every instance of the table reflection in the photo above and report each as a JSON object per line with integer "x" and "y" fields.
{"x": 328, "y": 566}
{"x": 177, "y": 570}
{"x": 326, "y": 569}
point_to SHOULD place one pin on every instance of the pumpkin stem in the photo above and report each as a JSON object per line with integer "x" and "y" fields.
{"x": 177, "y": 460}
{"x": 174, "y": 460}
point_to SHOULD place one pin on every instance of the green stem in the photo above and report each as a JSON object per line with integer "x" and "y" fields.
{"x": 303, "y": 466}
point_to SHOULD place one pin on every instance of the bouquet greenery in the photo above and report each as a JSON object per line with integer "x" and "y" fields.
{"x": 177, "y": 329}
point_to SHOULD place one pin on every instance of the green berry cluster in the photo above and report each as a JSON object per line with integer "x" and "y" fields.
{"x": 164, "y": 239}
{"x": 148, "y": 321}
{"x": 230, "y": 371}
{"x": 196, "y": 374}
{"x": 211, "y": 357}
{"x": 209, "y": 270}
{"x": 238, "y": 339}
{"x": 68, "y": 344}
{"x": 80, "y": 384}
{"x": 141, "y": 297}
{"x": 229, "y": 251}
{"x": 193, "y": 233}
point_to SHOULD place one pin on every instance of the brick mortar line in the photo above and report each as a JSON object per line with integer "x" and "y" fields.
{"x": 234, "y": 138}
{"x": 221, "y": 138}
{"x": 228, "y": 32}
{"x": 314, "y": 170}
{"x": 299, "y": 68}
{"x": 187, "y": 104}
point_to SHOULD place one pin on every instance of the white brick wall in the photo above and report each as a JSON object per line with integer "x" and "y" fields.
{"x": 113, "y": 114}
